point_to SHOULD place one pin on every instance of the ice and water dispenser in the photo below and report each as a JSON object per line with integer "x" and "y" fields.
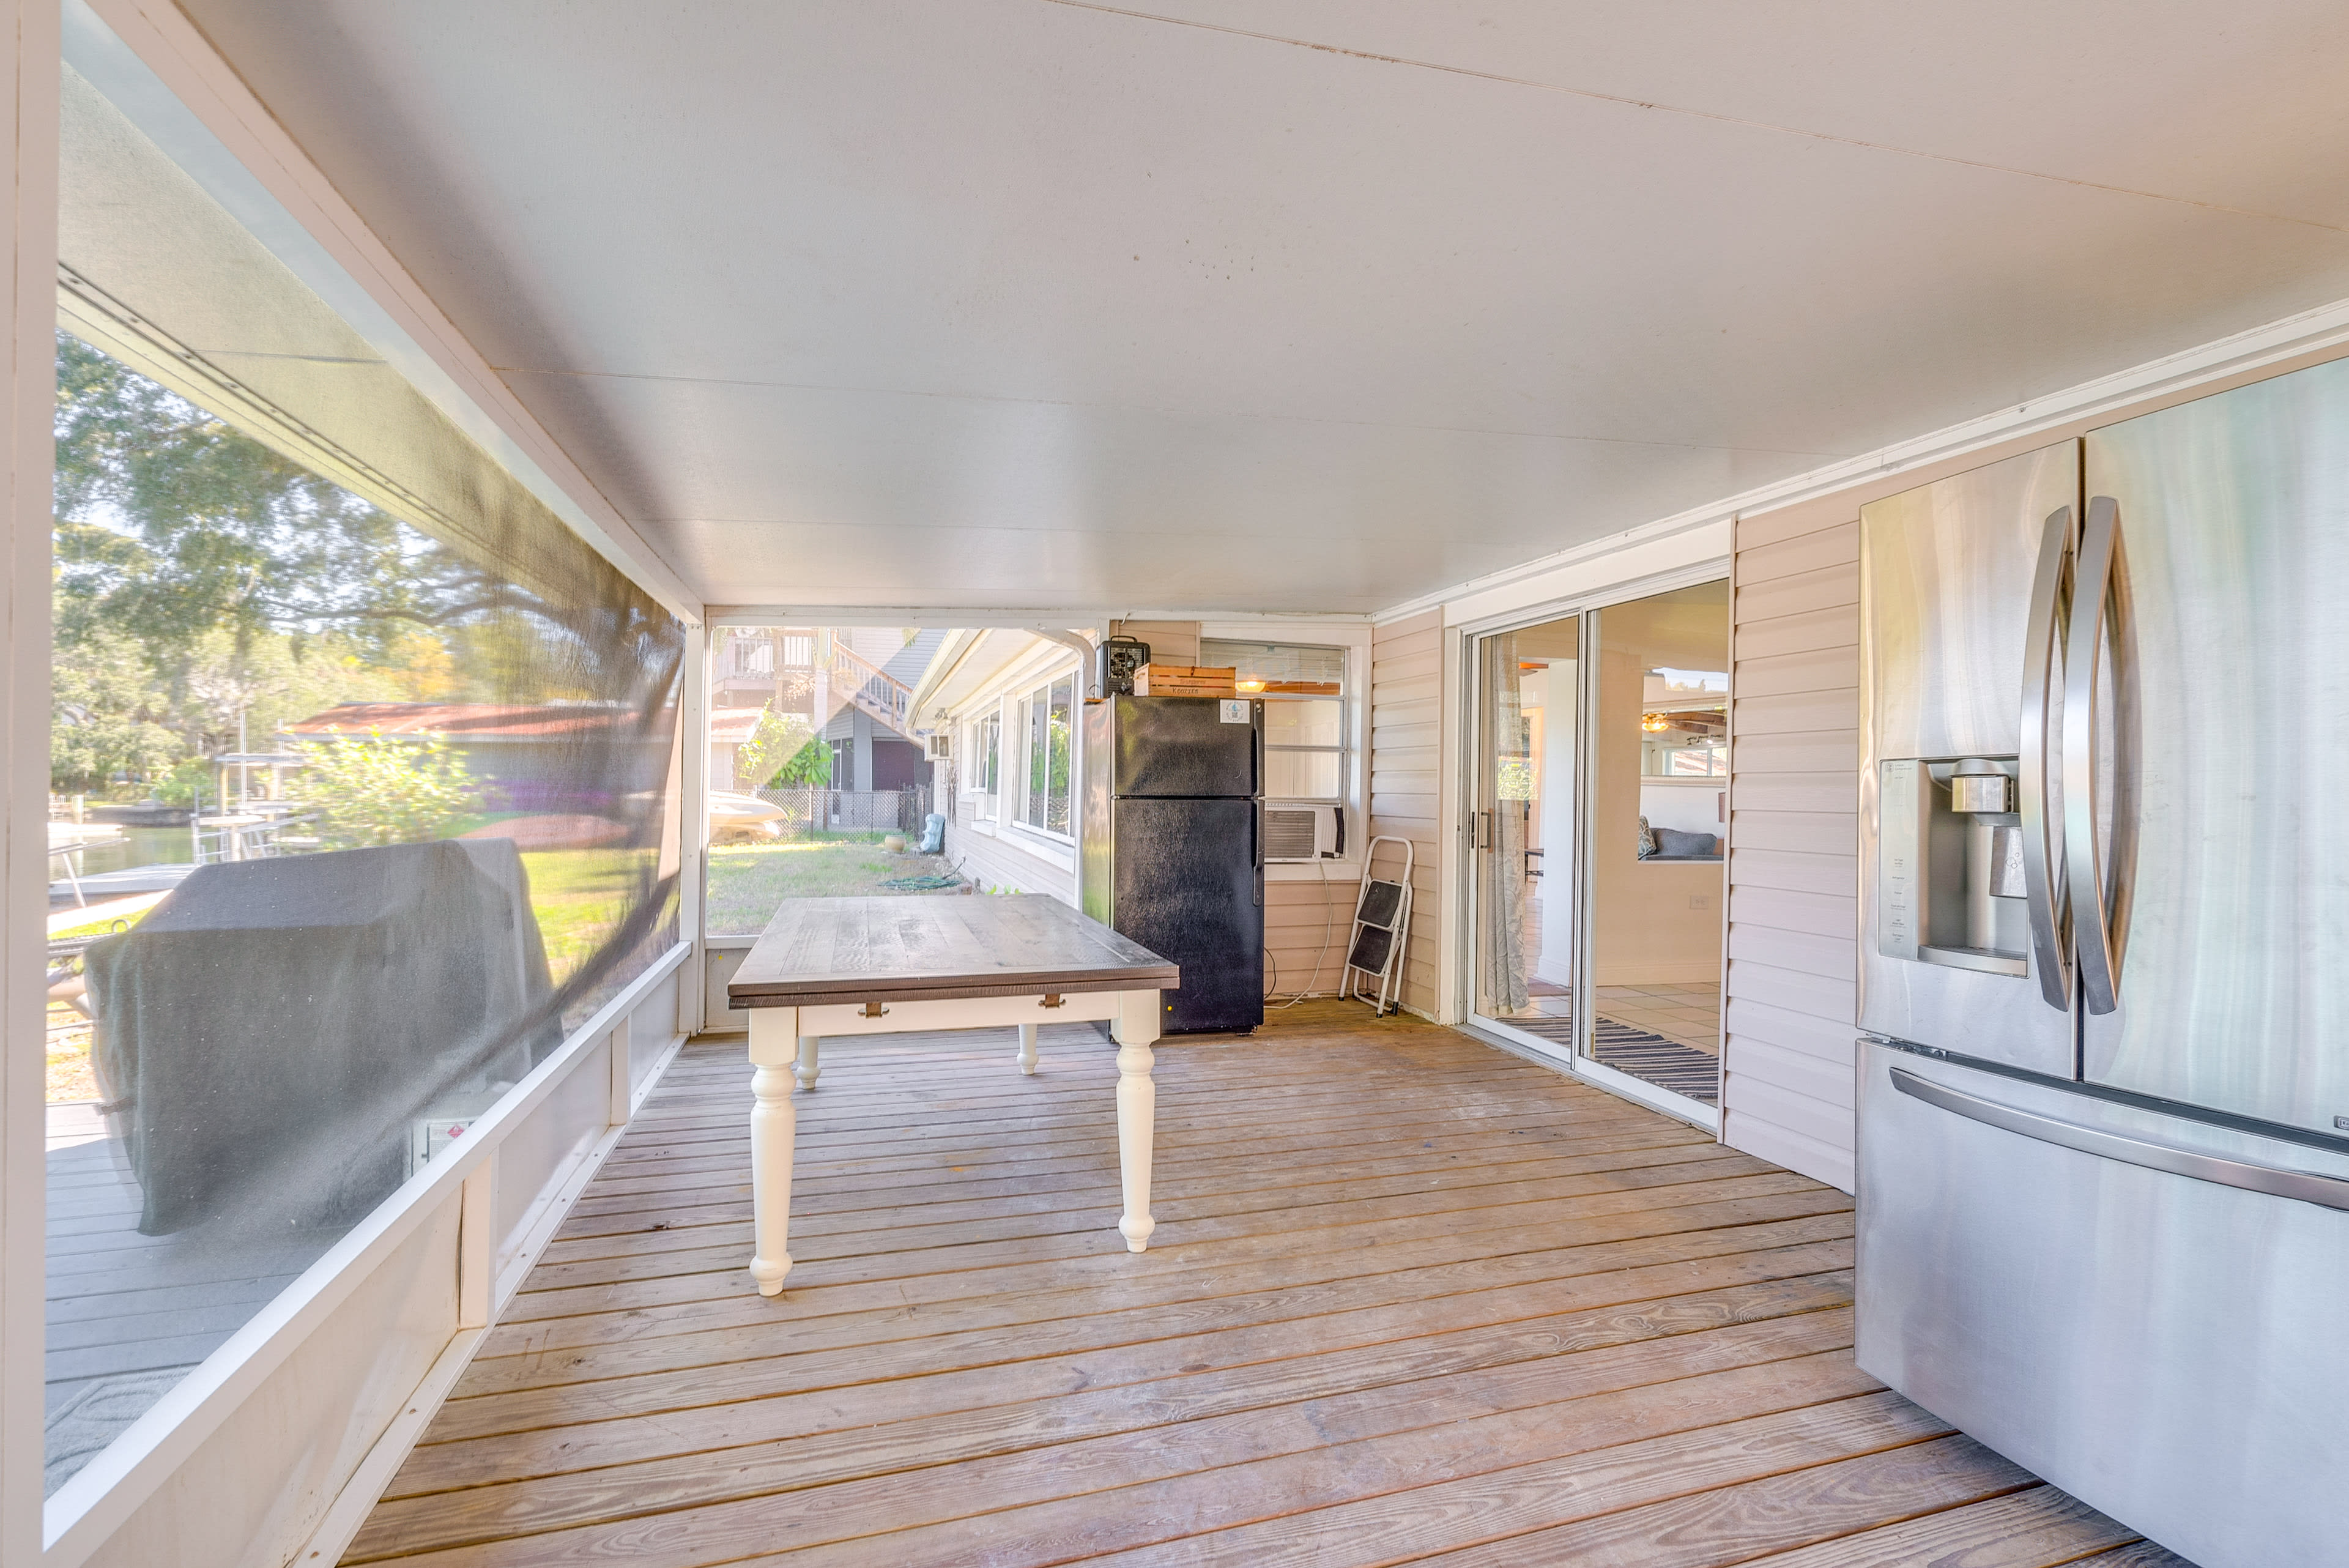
{"x": 1949, "y": 865}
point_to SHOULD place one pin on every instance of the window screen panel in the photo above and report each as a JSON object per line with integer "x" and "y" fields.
{"x": 397, "y": 748}
{"x": 1303, "y": 776}
{"x": 1307, "y": 722}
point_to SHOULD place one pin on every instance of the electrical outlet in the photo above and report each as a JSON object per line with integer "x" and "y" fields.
{"x": 1699, "y": 901}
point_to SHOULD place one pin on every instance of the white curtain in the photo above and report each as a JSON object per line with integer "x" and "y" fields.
{"x": 1501, "y": 921}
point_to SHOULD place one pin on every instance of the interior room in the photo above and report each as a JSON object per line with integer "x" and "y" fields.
{"x": 1032, "y": 782}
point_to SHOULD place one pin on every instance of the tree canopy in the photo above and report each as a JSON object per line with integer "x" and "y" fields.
{"x": 172, "y": 522}
{"x": 203, "y": 577}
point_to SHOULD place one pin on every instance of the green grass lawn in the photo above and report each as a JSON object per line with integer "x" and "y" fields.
{"x": 746, "y": 881}
{"x": 580, "y": 897}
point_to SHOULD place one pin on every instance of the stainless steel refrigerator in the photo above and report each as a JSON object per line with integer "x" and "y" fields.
{"x": 2104, "y": 1090}
{"x": 1173, "y": 842}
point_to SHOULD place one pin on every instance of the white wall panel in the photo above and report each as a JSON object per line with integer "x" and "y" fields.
{"x": 28, "y": 109}
{"x": 538, "y": 1158}
{"x": 1406, "y": 759}
{"x": 1792, "y": 1000}
{"x": 653, "y": 1029}
{"x": 253, "y": 1491}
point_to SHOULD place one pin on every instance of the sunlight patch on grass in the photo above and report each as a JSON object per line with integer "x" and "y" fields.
{"x": 747, "y": 882}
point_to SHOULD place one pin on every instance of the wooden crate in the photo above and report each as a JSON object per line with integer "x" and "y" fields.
{"x": 1185, "y": 680}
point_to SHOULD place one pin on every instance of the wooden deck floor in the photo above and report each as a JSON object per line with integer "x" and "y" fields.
{"x": 1411, "y": 1299}
{"x": 129, "y": 1315}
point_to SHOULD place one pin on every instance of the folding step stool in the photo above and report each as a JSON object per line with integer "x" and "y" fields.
{"x": 1381, "y": 927}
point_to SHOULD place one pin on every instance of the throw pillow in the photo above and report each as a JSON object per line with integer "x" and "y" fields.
{"x": 1684, "y": 846}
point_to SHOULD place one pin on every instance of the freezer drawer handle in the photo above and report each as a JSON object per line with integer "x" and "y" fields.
{"x": 2323, "y": 1190}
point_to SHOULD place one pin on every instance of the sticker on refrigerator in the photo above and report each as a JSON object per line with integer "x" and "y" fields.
{"x": 1236, "y": 711}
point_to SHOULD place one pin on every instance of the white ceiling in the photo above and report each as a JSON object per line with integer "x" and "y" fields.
{"x": 1027, "y": 303}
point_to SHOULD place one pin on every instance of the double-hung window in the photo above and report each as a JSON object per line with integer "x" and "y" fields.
{"x": 982, "y": 759}
{"x": 1303, "y": 688}
{"x": 1051, "y": 763}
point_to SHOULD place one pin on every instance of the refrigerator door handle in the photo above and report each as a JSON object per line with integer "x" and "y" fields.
{"x": 2327, "y": 1192}
{"x": 1256, "y": 722}
{"x": 2095, "y": 593}
{"x": 1258, "y": 851}
{"x": 2043, "y": 879}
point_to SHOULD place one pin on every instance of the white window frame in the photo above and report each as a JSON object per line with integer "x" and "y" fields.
{"x": 1354, "y": 692}
{"x": 982, "y": 783}
{"x": 1036, "y": 689}
{"x": 1343, "y": 750}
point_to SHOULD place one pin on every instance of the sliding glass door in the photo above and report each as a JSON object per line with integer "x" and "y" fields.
{"x": 1600, "y": 821}
{"x": 1531, "y": 688}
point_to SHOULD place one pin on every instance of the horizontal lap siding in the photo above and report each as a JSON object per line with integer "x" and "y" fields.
{"x": 1171, "y": 641}
{"x": 1305, "y": 928}
{"x": 1406, "y": 703}
{"x": 1792, "y": 1001}
{"x": 1000, "y": 862}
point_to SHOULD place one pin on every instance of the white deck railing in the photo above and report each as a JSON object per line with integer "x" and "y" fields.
{"x": 327, "y": 1387}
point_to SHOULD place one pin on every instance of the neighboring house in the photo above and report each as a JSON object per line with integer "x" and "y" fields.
{"x": 730, "y": 729}
{"x": 1008, "y": 701}
{"x": 551, "y": 757}
{"x": 873, "y": 670}
{"x": 849, "y": 684}
{"x": 756, "y": 667}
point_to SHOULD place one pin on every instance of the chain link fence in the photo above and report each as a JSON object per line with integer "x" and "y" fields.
{"x": 808, "y": 812}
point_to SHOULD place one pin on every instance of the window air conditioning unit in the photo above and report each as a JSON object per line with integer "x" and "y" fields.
{"x": 1296, "y": 830}
{"x": 938, "y": 746}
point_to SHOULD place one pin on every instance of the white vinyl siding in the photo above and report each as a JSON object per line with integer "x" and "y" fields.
{"x": 1792, "y": 996}
{"x": 1407, "y": 725}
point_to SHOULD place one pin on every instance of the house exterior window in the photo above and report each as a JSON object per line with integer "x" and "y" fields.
{"x": 983, "y": 757}
{"x": 1305, "y": 749}
{"x": 1051, "y": 764}
{"x": 1303, "y": 686}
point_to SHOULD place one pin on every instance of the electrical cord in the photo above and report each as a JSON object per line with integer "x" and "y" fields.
{"x": 1328, "y": 924}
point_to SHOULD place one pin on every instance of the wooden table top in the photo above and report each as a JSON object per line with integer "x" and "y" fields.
{"x": 819, "y": 951}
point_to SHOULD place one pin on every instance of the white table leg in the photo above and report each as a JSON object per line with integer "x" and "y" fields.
{"x": 1027, "y": 1048}
{"x": 774, "y": 1032}
{"x": 807, "y": 1069}
{"x": 1137, "y": 1113}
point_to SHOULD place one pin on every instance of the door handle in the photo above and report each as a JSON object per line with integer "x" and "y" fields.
{"x": 2044, "y": 887}
{"x": 2250, "y": 1175}
{"x": 1481, "y": 830}
{"x": 2099, "y": 587}
{"x": 1256, "y": 827}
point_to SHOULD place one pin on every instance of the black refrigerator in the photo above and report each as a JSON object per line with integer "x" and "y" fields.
{"x": 1173, "y": 846}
